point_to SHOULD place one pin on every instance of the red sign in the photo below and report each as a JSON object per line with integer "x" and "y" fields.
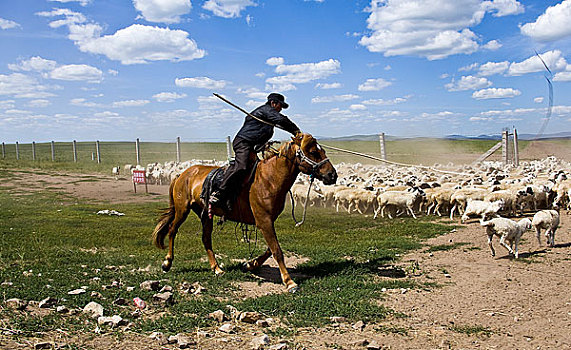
{"x": 139, "y": 177}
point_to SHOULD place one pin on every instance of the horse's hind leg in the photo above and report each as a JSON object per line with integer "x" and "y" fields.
{"x": 207, "y": 242}
{"x": 179, "y": 218}
{"x": 257, "y": 262}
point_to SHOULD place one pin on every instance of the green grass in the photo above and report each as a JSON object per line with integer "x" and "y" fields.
{"x": 472, "y": 330}
{"x": 51, "y": 243}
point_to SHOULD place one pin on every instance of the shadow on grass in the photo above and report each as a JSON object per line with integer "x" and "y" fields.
{"x": 378, "y": 267}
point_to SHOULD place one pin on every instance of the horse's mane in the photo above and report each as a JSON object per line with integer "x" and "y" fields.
{"x": 270, "y": 152}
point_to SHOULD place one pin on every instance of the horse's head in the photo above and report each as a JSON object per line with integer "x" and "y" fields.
{"x": 311, "y": 159}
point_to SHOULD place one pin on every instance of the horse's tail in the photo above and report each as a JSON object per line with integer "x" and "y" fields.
{"x": 162, "y": 228}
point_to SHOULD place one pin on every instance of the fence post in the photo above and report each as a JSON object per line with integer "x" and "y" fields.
{"x": 228, "y": 147}
{"x": 17, "y": 151}
{"x": 516, "y": 149}
{"x": 98, "y": 151}
{"x": 383, "y": 149}
{"x": 138, "y": 150}
{"x": 178, "y": 149}
{"x": 33, "y": 150}
{"x": 505, "y": 153}
{"x": 3, "y": 150}
{"x": 74, "y": 151}
{"x": 53, "y": 151}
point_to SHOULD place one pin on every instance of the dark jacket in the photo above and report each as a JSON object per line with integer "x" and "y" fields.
{"x": 258, "y": 133}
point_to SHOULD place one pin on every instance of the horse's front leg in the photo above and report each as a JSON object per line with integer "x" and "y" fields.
{"x": 266, "y": 225}
{"x": 257, "y": 262}
{"x": 207, "y": 242}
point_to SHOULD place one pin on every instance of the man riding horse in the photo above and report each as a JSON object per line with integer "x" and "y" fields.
{"x": 254, "y": 133}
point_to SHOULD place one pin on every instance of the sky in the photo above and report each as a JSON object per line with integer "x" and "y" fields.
{"x": 117, "y": 70}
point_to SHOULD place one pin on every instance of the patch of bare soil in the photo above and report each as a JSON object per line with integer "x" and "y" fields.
{"x": 97, "y": 188}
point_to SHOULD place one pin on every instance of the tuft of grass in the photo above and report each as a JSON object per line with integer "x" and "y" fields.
{"x": 471, "y": 330}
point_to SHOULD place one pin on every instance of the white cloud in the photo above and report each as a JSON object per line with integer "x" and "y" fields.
{"x": 382, "y": 102}
{"x": 81, "y": 2}
{"x": 8, "y": 24}
{"x": 70, "y": 17}
{"x": 504, "y": 7}
{"x": 491, "y": 68}
{"x": 552, "y": 25}
{"x": 492, "y": 45}
{"x": 23, "y": 86}
{"x": 77, "y": 72}
{"x": 335, "y": 98}
{"x": 163, "y": 11}
{"x": 468, "y": 68}
{"x": 106, "y": 114}
{"x": 357, "y": 107}
{"x": 36, "y": 64}
{"x": 486, "y": 94}
{"x": 143, "y": 44}
{"x": 374, "y": 84}
{"x": 480, "y": 119}
{"x": 275, "y": 61}
{"x": 468, "y": 82}
{"x": 227, "y": 8}
{"x": 7, "y": 104}
{"x": 134, "y": 44}
{"x": 83, "y": 103}
{"x": 563, "y": 76}
{"x": 553, "y": 59}
{"x": 130, "y": 103}
{"x": 538, "y": 99}
{"x": 113, "y": 72}
{"x": 39, "y": 103}
{"x": 254, "y": 93}
{"x": 168, "y": 96}
{"x": 432, "y": 29}
{"x": 200, "y": 82}
{"x": 301, "y": 73}
{"x": 327, "y": 86}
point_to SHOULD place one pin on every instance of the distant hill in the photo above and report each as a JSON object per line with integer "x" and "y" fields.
{"x": 375, "y": 137}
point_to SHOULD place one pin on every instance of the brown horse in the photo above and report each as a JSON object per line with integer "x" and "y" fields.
{"x": 259, "y": 204}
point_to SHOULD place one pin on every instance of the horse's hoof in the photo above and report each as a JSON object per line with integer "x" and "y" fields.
{"x": 246, "y": 267}
{"x": 219, "y": 272}
{"x": 166, "y": 266}
{"x": 293, "y": 289}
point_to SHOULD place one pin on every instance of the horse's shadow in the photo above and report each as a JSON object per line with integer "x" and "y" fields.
{"x": 309, "y": 271}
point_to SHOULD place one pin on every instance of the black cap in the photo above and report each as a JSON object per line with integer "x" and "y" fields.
{"x": 278, "y": 98}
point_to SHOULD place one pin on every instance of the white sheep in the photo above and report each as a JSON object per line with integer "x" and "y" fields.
{"x": 508, "y": 230}
{"x": 546, "y": 220}
{"x": 481, "y": 208}
{"x": 400, "y": 199}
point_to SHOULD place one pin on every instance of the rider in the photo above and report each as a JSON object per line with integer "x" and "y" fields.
{"x": 253, "y": 133}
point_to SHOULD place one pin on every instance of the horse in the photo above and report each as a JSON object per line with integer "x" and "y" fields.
{"x": 259, "y": 204}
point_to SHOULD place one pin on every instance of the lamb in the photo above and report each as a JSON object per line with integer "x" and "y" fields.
{"x": 481, "y": 208}
{"x": 400, "y": 199}
{"x": 508, "y": 230}
{"x": 460, "y": 197}
{"x": 546, "y": 220}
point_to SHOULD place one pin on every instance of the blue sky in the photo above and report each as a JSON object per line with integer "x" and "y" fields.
{"x": 120, "y": 70}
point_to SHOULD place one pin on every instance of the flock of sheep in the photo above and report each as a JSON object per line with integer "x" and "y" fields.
{"x": 486, "y": 190}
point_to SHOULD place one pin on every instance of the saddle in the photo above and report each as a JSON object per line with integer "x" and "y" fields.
{"x": 214, "y": 179}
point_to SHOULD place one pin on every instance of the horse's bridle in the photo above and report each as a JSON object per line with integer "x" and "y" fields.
{"x": 314, "y": 165}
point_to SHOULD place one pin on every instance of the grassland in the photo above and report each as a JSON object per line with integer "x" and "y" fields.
{"x": 51, "y": 244}
{"x": 413, "y": 151}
